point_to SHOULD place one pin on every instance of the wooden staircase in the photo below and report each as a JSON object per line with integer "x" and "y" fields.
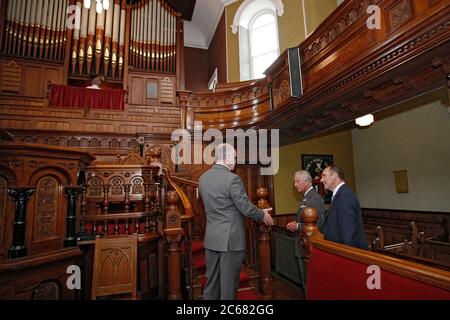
{"x": 248, "y": 278}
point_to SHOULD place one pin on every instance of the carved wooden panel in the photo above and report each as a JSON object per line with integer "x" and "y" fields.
{"x": 399, "y": 14}
{"x": 94, "y": 188}
{"x": 333, "y": 29}
{"x": 167, "y": 91}
{"x": 137, "y": 186}
{"x": 3, "y": 200}
{"x": 46, "y": 208}
{"x": 433, "y": 2}
{"x": 47, "y": 291}
{"x": 116, "y": 186}
{"x": 281, "y": 90}
{"x": 11, "y": 77}
{"x": 347, "y": 53}
{"x": 115, "y": 266}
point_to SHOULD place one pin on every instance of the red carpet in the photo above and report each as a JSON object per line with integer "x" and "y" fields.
{"x": 246, "y": 292}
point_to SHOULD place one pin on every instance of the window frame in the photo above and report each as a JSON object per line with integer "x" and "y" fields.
{"x": 250, "y": 38}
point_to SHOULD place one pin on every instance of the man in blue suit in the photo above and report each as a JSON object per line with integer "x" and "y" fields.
{"x": 343, "y": 223}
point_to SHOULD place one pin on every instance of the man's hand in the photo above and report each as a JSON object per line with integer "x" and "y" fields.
{"x": 267, "y": 217}
{"x": 292, "y": 226}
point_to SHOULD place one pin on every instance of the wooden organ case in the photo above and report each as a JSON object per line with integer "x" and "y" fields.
{"x": 136, "y": 46}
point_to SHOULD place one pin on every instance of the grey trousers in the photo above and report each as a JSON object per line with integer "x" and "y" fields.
{"x": 222, "y": 273}
{"x": 302, "y": 268}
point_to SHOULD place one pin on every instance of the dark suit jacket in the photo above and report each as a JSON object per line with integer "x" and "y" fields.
{"x": 226, "y": 205}
{"x": 312, "y": 199}
{"x": 343, "y": 223}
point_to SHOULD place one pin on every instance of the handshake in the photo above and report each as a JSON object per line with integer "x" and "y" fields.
{"x": 268, "y": 221}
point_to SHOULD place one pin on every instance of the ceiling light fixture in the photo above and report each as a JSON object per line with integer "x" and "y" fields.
{"x": 364, "y": 121}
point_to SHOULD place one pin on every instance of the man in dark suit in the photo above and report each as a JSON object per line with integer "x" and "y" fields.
{"x": 226, "y": 205}
{"x": 343, "y": 223}
{"x": 311, "y": 199}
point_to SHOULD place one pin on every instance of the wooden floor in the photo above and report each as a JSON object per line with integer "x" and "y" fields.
{"x": 285, "y": 290}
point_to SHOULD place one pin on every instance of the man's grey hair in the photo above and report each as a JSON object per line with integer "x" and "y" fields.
{"x": 304, "y": 175}
{"x": 222, "y": 151}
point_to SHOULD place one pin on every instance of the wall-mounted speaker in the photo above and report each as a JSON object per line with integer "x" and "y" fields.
{"x": 295, "y": 72}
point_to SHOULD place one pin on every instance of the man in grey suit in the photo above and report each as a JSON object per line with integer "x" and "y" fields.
{"x": 311, "y": 199}
{"x": 226, "y": 205}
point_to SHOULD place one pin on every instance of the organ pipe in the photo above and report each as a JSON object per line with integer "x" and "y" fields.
{"x": 37, "y": 29}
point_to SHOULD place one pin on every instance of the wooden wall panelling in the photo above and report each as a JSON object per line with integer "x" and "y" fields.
{"x": 50, "y": 169}
{"x": 7, "y": 178}
{"x": 11, "y": 77}
{"x": 33, "y": 73}
{"x": 22, "y": 279}
{"x": 396, "y": 223}
{"x": 151, "y": 89}
{"x": 137, "y": 86}
{"x": 29, "y": 79}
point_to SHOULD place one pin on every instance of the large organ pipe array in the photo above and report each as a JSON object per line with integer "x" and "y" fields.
{"x": 153, "y": 36}
{"x": 98, "y": 46}
{"x": 40, "y": 29}
{"x": 36, "y": 29}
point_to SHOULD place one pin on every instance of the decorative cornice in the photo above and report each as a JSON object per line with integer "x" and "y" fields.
{"x": 381, "y": 61}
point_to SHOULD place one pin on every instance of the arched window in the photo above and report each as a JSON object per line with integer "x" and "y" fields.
{"x": 263, "y": 43}
{"x": 256, "y": 21}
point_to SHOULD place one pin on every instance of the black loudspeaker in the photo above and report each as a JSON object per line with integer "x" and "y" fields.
{"x": 295, "y": 72}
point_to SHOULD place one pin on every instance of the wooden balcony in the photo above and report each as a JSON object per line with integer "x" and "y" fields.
{"x": 347, "y": 69}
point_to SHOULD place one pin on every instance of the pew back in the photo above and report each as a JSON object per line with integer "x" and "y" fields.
{"x": 341, "y": 272}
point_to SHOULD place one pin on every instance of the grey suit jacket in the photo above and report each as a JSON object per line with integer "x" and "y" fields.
{"x": 226, "y": 205}
{"x": 312, "y": 199}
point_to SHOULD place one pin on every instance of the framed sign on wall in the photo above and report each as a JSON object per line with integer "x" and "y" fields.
{"x": 314, "y": 164}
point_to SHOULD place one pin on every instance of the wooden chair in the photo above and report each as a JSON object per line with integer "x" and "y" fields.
{"x": 115, "y": 266}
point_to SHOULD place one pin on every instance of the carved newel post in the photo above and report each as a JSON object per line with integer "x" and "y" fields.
{"x": 173, "y": 233}
{"x": 20, "y": 196}
{"x": 264, "y": 246}
{"x": 310, "y": 232}
{"x": 183, "y": 102}
{"x": 72, "y": 195}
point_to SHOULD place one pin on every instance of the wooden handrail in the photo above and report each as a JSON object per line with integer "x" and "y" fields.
{"x": 185, "y": 181}
{"x": 188, "y": 212}
{"x": 120, "y": 216}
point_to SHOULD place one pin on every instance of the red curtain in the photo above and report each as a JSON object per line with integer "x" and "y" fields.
{"x": 76, "y": 97}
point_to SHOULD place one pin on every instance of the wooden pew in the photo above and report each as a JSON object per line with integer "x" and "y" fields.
{"x": 418, "y": 248}
{"x": 337, "y": 271}
{"x": 341, "y": 272}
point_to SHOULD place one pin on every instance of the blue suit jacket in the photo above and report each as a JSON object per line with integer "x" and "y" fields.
{"x": 343, "y": 223}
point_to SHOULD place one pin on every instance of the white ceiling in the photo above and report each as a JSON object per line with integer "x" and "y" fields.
{"x": 199, "y": 32}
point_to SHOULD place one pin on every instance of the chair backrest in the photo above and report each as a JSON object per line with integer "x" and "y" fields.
{"x": 115, "y": 266}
